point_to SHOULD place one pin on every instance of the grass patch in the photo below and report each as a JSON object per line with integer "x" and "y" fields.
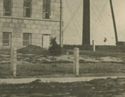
{"x": 35, "y": 64}
{"x": 62, "y": 69}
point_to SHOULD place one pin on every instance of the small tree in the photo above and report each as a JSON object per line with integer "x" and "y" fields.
{"x": 54, "y": 48}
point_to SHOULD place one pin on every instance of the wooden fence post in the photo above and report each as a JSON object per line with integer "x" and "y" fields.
{"x": 76, "y": 61}
{"x": 93, "y": 46}
{"x": 14, "y": 60}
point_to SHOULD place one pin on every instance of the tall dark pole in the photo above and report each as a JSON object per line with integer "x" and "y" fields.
{"x": 61, "y": 32}
{"x": 114, "y": 22}
{"x": 86, "y": 23}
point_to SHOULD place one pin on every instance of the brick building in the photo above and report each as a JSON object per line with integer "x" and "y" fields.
{"x": 25, "y": 22}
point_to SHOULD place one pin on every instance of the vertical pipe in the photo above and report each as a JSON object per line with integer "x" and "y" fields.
{"x": 61, "y": 32}
{"x": 86, "y": 23}
{"x": 114, "y": 22}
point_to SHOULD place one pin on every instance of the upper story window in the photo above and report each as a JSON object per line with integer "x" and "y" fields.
{"x": 7, "y": 4}
{"x": 46, "y": 9}
{"x": 27, "y": 8}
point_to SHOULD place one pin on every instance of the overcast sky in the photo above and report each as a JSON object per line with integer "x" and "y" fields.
{"x": 101, "y": 21}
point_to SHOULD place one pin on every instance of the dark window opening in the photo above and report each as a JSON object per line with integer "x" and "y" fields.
{"x": 27, "y": 8}
{"x": 27, "y": 39}
{"x": 46, "y": 9}
{"x": 7, "y": 4}
{"x": 6, "y": 38}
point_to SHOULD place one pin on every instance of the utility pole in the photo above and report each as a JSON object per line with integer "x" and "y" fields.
{"x": 61, "y": 31}
{"x": 114, "y": 22}
{"x": 86, "y": 23}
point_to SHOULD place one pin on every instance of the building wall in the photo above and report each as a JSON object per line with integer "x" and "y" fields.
{"x": 17, "y": 24}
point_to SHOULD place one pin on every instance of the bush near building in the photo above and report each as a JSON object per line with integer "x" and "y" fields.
{"x": 55, "y": 49}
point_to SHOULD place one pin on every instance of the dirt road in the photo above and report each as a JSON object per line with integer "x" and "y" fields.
{"x": 58, "y": 79}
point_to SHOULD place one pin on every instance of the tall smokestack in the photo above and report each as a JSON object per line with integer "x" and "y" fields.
{"x": 86, "y": 23}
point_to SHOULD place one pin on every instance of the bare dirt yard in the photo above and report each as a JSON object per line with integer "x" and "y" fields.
{"x": 99, "y": 63}
{"x": 94, "y": 88}
{"x": 92, "y": 64}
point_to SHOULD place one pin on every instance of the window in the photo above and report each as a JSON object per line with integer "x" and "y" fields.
{"x": 46, "y": 9}
{"x": 6, "y": 38}
{"x": 27, "y": 8}
{"x": 27, "y": 39}
{"x": 7, "y": 4}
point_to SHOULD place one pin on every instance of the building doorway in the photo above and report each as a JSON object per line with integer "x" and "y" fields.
{"x": 46, "y": 41}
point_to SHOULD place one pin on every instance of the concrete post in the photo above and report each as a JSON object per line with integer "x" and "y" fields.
{"x": 14, "y": 61}
{"x": 76, "y": 61}
{"x": 93, "y": 46}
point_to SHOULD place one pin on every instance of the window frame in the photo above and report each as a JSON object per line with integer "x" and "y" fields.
{"x": 6, "y": 42}
{"x": 25, "y": 9}
{"x": 46, "y": 11}
{"x": 27, "y": 40}
{"x": 7, "y": 12}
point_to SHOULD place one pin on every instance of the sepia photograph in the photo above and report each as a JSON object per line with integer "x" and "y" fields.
{"x": 62, "y": 48}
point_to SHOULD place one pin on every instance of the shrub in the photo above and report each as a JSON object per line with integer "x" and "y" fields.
{"x": 54, "y": 49}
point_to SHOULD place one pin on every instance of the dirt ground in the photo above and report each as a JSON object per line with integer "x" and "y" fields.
{"x": 95, "y": 88}
{"x": 91, "y": 64}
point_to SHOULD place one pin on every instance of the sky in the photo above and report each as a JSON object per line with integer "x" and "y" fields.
{"x": 101, "y": 25}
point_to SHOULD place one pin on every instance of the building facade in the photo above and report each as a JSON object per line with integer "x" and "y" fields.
{"x": 29, "y": 22}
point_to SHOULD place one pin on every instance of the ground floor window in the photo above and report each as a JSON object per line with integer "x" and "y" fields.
{"x": 27, "y": 39}
{"x": 6, "y": 38}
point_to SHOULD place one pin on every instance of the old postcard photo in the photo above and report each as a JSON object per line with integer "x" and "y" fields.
{"x": 62, "y": 48}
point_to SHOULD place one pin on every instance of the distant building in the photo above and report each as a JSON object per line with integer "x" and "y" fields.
{"x": 25, "y": 22}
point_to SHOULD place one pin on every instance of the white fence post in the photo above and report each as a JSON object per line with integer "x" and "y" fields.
{"x": 93, "y": 46}
{"x": 14, "y": 61}
{"x": 76, "y": 61}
